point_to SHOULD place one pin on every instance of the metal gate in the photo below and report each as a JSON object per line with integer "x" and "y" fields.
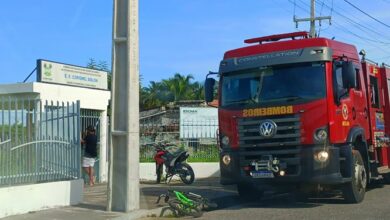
{"x": 40, "y": 141}
{"x": 89, "y": 117}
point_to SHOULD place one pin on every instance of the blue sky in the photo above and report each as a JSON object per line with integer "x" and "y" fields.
{"x": 188, "y": 37}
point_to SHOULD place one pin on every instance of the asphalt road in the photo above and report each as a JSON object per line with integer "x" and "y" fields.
{"x": 376, "y": 205}
{"x": 272, "y": 206}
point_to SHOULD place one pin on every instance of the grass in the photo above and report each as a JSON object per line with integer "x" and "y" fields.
{"x": 203, "y": 160}
{"x": 203, "y": 154}
{"x": 190, "y": 159}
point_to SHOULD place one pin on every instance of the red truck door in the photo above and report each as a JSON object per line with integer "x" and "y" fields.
{"x": 351, "y": 110}
{"x": 376, "y": 102}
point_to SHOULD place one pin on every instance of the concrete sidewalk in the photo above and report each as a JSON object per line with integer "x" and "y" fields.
{"x": 95, "y": 201}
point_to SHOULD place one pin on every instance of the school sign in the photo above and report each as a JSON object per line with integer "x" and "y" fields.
{"x": 59, "y": 73}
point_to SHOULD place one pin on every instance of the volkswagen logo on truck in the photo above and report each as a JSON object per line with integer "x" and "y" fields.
{"x": 268, "y": 128}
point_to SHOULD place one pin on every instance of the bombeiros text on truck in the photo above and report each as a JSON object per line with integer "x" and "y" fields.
{"x": 297, "y": 112}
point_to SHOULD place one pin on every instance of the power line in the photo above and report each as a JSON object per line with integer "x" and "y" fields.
{"x": 331, "y": 10}
{"x": 341, "y": 28}
{"x": 363, "y": 27}
{"x": 357, "y": 8}
{"x": 322, "y": 7}
{"x": 354, "y": 22}
{"x": 288, "y": 10}
{"x": 294, "y": 8}
{"x": 357, "y": 26}
{"x": 367, "y": 40}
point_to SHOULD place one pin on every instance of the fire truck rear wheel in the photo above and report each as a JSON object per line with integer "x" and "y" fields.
{"x": 248, "y": 192}
{"x": 355, "y": 190}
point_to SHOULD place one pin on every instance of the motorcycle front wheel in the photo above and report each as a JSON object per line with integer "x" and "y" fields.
{"x": 186, "y": 173}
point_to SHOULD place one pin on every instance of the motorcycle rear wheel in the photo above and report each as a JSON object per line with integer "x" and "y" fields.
{"x": 186, "y": 173}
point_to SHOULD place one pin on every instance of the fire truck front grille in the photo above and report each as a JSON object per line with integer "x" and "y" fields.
{"x": 284, "y": 145}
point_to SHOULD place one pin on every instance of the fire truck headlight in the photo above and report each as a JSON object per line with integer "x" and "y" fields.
{"x": 321, "y": 156}
{"x": 225, "y": 140}
{"x": 321, "y": 135}
{"x": 226, "y": 159}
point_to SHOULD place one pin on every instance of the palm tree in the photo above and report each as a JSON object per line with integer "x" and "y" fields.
{"x": 197, "y": 91}
{"x": 179, "y": 86}
{"x": 155, "y": 95}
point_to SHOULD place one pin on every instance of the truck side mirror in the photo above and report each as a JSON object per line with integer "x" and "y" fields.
{"x": 349, "y": 75}
{"x": 209, "y": 89}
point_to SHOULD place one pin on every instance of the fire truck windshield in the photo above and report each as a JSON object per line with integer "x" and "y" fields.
{"x": 275, "y": 84}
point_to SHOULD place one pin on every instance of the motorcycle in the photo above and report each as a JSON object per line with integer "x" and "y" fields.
{"x": 174, "y": 161}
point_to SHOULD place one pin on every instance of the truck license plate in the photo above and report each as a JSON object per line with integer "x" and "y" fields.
{"x": 262, "y": 174}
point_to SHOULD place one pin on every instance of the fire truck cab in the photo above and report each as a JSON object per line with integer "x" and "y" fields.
{"x": 298, "y": 112}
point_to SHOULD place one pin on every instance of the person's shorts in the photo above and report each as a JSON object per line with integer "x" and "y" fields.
{"x": 88, "y": 162}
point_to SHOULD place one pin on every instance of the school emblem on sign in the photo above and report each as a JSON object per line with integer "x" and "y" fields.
{"x": 345, "y": 112}
{"x": 47, "y": 69}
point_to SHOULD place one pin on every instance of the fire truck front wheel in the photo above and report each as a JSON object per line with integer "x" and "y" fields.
{"x": 248, "y": 192}
{"x": 355, "y": 190}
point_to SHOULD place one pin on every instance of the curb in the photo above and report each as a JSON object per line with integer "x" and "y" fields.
{"x": 140, "y": 213}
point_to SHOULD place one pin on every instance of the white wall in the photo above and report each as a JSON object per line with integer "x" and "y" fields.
{"x": 201, "y": 170}
{"x": 93, "y": 99}
{"x": 23, "y": 199}
{"x": 89, "y": 98}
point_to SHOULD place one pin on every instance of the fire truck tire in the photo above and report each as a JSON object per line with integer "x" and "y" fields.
{"x": 248, "y": 192}
{"x": 355, "y": 190}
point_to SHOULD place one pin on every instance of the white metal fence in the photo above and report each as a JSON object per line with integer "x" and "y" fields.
{"x": 199, "y": 129}
{"x": 199, "y": 138}
{"x": 40, "y": 141}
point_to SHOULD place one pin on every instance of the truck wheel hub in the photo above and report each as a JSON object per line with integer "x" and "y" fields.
{"x": 360, "y": 176}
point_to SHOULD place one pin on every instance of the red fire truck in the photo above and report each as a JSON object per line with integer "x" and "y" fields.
{"x": 297, "y": 113}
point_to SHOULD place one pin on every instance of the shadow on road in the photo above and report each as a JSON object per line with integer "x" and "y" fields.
{"x": 95, "y": 198}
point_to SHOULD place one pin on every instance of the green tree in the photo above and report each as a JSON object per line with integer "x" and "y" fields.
{"x": 103, "y": 66}
{"x": 151, "y": 98}
{"x": 92, "y": 64}
{"x": 197, "y": 91}
{"x": 179, "y": 86}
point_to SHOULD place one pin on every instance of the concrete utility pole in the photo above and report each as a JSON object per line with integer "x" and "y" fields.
{"x": 123, "y": 188}
{"x": 312, "y": 19}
